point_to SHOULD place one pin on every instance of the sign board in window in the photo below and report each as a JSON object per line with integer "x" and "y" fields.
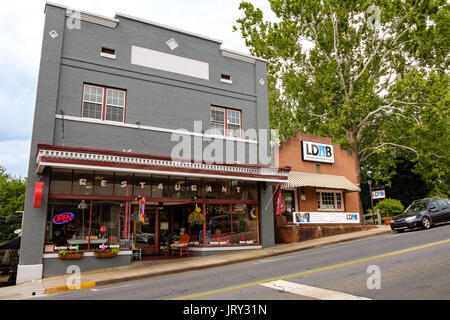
{"x": 325, "y": 217}
{"x": 378, "y": 194}
{"x": 317, "y": 152}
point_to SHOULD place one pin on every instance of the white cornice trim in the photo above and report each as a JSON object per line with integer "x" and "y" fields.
{"x": 240, "y": 56}
{"x": 151, "y": 128}
{"x": 86, "y": 16}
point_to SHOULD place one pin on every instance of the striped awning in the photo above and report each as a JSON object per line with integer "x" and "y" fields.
{"x": 303, "y": 179}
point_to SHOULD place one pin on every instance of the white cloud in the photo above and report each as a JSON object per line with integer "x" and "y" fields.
{"x": 14, "y": 157}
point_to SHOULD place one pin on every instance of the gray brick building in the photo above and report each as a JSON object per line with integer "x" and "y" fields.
{"x": 130, "y": 111}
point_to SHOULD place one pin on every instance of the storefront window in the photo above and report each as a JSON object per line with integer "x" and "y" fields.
{"x": 237, "y": 190}
{"x": 142, "y": 185}
{"x": 194, "y": 188}
{"x": 245, "y": 224}
{"x": 82, "y": 182}
{"x": 160, "y": 186}
{"x": 218, "y": 224}
{"x": 289, "y": 198}
{"x": 177, "y": 187}
{"x": 195, "y": 231}
{"x": 103, "y": 183}
{"x": 217, "y": 189}
{"x": 330, "y": 200}
{"x": 252, "y": 191}
{"x": 69, "y": 225}
{"x": 61, "y": 181}
{"x": 123, "y": 185}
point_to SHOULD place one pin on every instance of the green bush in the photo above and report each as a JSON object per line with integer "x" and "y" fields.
{"x": 389, "y": 207}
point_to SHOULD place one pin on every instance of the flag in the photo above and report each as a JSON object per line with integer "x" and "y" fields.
{"x": 142, "y": 209}
{"x": 277, "y": 201}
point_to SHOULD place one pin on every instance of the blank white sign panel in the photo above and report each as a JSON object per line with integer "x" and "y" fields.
{"x": 169, "y": 62}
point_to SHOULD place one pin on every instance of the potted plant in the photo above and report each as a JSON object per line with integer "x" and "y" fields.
{"x": 70, "y": 254}
{"x": 389, "y": 208}
{"x": 102, "y": 252}
{"x": 196, "y": 217}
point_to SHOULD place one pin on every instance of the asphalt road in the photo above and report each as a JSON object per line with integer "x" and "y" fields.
{"x": 402, "y": 266}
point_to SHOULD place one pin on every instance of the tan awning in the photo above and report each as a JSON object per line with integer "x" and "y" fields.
{"x": 302, "y": 179}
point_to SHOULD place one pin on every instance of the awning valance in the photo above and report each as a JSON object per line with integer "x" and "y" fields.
{"x": 303, "y": 179}
{"x": 107, "y": 160}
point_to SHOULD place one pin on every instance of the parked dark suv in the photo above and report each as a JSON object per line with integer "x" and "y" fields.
{"x": 422, "y": 214}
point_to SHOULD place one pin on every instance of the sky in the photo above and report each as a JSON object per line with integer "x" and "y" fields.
{"x": 21, "y": 32}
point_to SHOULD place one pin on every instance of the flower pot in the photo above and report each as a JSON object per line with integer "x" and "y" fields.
{"x": 387, "y": 220}
{"x": 105, "y": 254}
{"x": 69, "y": 256}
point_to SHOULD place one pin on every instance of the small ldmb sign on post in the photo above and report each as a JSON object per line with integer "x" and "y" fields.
{"x": 378, "y": 194}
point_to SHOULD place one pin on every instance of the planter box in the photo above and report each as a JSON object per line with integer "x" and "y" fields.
{"x": 387, "y": 220}
{"x": 70, "y": 256}
{"x": 105, "y": 254}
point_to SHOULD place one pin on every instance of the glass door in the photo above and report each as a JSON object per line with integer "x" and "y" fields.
{"x": 145, "y": 234}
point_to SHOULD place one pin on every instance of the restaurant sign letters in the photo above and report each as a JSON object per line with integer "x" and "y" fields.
{"x": 160, "y": 186}
{"x": 317, "y": 152}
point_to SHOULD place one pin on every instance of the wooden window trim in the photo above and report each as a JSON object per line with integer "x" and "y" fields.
{"x": 104, "y": 104}
{"x": 225, "y": 110}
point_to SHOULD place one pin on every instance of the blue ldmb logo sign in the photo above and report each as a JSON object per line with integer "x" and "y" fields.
{"x": 318, "y": 152}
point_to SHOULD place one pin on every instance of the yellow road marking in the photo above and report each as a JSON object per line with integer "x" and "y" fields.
{"x": 340, "y": 265}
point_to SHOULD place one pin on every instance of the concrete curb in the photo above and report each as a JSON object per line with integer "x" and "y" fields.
{"x": 239, "y": 260}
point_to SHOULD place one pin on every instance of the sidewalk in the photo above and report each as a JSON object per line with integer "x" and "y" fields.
{"x": 152, "y": 268}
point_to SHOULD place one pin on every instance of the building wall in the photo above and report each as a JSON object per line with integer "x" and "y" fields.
{"x": 154, "y": 98}
{"x": 290, "y": 154}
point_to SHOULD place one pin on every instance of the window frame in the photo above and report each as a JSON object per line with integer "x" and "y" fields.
{"x": 320, "y": 202}
{"x": 225, "y": 123}
{"x": 104, "y": 102}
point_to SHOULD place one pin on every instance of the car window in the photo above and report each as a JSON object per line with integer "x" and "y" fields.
{"x": 434, "y": 203}
{"x": 417, "y": 206}
{"x": 441, "y": 202}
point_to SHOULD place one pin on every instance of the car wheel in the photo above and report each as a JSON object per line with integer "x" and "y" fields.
{"x": 426, "y": 223}
{"x": 400, "y": 230}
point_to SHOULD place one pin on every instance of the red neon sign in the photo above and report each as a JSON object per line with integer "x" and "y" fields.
{"x": 63, "y": 218}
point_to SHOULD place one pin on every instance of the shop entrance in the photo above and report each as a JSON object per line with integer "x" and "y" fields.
{"x": 162, "y": 225}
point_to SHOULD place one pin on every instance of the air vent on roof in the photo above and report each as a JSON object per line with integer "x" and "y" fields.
{"x": 108, "y": 53}
{"x": 225, "y": 78}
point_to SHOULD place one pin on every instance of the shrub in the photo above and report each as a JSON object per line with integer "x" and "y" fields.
{"x": 389, "y": 207}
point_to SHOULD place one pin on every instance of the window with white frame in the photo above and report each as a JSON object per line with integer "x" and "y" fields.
{"x": 330, "y": 200}
{"x": 226, "y": 122}
{"x": 92, "y": 102}
{"x": 115, "y": 105}
{"x": 103, "y": 103}
{"x": 218, "y": 121}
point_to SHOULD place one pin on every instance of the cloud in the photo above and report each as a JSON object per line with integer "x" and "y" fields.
{"x": 14, "y": 157}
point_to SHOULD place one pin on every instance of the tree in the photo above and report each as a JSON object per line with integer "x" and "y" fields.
{"x": 373, "y": 80}
{"x": 12, "y": 198}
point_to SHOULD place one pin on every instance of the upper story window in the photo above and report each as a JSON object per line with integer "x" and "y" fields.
{"x": 226, "y": 122}
{"x": 103, "y": 103}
